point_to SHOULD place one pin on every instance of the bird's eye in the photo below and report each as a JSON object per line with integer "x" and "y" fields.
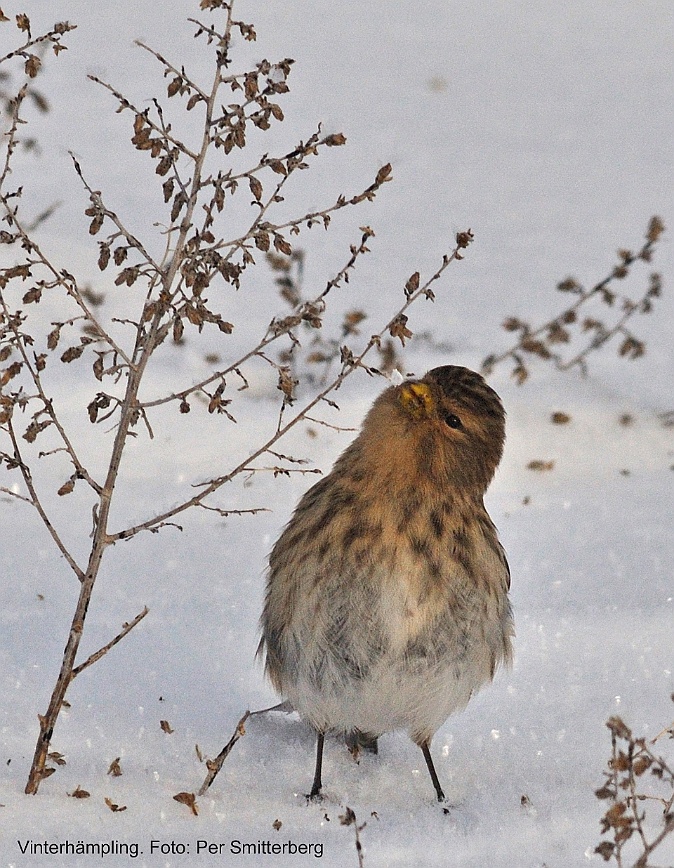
{"x": 452, "y": 420}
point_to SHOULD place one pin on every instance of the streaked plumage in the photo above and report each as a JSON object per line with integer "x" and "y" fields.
{"x": 387, "y": 592}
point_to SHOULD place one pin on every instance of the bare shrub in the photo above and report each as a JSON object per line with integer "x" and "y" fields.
{"x": 639, "y": 788}
{"x": 184, "y": 289}
{"x": 578, "y": 323}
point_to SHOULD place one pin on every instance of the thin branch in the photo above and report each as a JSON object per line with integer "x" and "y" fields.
{"x": 62, "y": 278}
{"x": 35, "y": 501}
{"x": 180, "y": 73}
{"x": 80, "y": 469}
{"x": 54, "y": 36}
{"x": 348, "y": 818}
{"x": 339, "y": 428}
{"x": 667, "y": 829}
{"x": 276, "y": 329}
{"x": 351, "y": 364}
{"x": 126, "y": 628}
{"x": 258, "y": 224}
{"x": 12, "y": 140}
{"x": 17, "y": 496}
{"x": 225, "y": 513}
{"x": 214, "y": 34}
{"x": 311, "y": 217}
{"x": 599, "y": 340}
{"x": 540, "y": 341}
{"x": 98, "y": 202}
{"x": 124, "y": 102}
{"x": 215, "y": 765}
{"x": 668, "y": 730}
{"x": 281, "y": 471}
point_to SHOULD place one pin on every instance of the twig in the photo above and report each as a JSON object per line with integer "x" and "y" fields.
{"x": 12, "y": 140}
{"x": 61, "y": 277}
{"x": 542, "y": 340}
{"x": 37, "y": 503}
{"x": 348, "y": 818}
{"x": 225, "y": 513}
{"x": 215, "y": 765}
{"x": 328, "y": 424}
{"x": 54, "y": 36}
{"x": 350, "y": 364}
{"x": 124, "y": 102}
{"x": 667, "y": 730}
{"x": 126, "y": 628}
{"x": 98, "y": 203}
{"x": 80, "y": 469}
{"x": 293, "y": 161}
{"x": 275, "y": 330}
{"x": 14, "y": 494}
{"x": 180, "y": 73}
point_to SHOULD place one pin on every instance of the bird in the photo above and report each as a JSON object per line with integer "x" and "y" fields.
{"x": 386, "y": 604}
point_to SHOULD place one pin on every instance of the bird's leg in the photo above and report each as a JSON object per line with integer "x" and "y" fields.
{"x": 425, "y": 749}
{"x": 317, "y": 784}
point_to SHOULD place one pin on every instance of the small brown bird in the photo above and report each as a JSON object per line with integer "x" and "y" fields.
{"x": 387, "y": 593}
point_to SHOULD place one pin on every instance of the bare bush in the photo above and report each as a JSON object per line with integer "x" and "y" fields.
{"x": 578, "y": 323}
{"x": 184, "y": 289}
{"x": 639, "y": 787}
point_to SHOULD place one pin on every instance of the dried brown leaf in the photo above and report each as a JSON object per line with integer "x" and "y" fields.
{"x": 398, "y": 328}
{"x": 32, "y": 65}
{"x": 34, "y": 429}
{"x": 72, "y": 353}
{"x": 384, "y": 174}
{"x": 188, "y": 799}
{"x": 335, "y": 140}
{"x": 56, "y": 757}
{"x": 113, "y": 807}
{"x": 255, "y": 187}
{"x": 67, "y": 487}
{"x": 463, "y": 239}
{"x": 412, "y": 284}
{"x": 540, "y": 466}
{"x": 282, "y": 245}
{"x": 278, "y": 167}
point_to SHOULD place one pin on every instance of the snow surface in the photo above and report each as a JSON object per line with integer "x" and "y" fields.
{"x": 546, "y": 128}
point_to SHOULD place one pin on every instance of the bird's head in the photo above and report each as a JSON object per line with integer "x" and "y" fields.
{"x": 448, "y": 426}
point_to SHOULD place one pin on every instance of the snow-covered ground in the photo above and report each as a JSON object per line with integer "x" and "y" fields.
{"x": 546, "y": 128}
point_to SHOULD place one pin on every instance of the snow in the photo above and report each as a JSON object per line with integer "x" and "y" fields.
{"x": 544, "y": 127}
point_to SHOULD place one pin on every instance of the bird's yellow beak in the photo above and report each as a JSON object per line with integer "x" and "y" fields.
{"x": 417, "y": 399}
